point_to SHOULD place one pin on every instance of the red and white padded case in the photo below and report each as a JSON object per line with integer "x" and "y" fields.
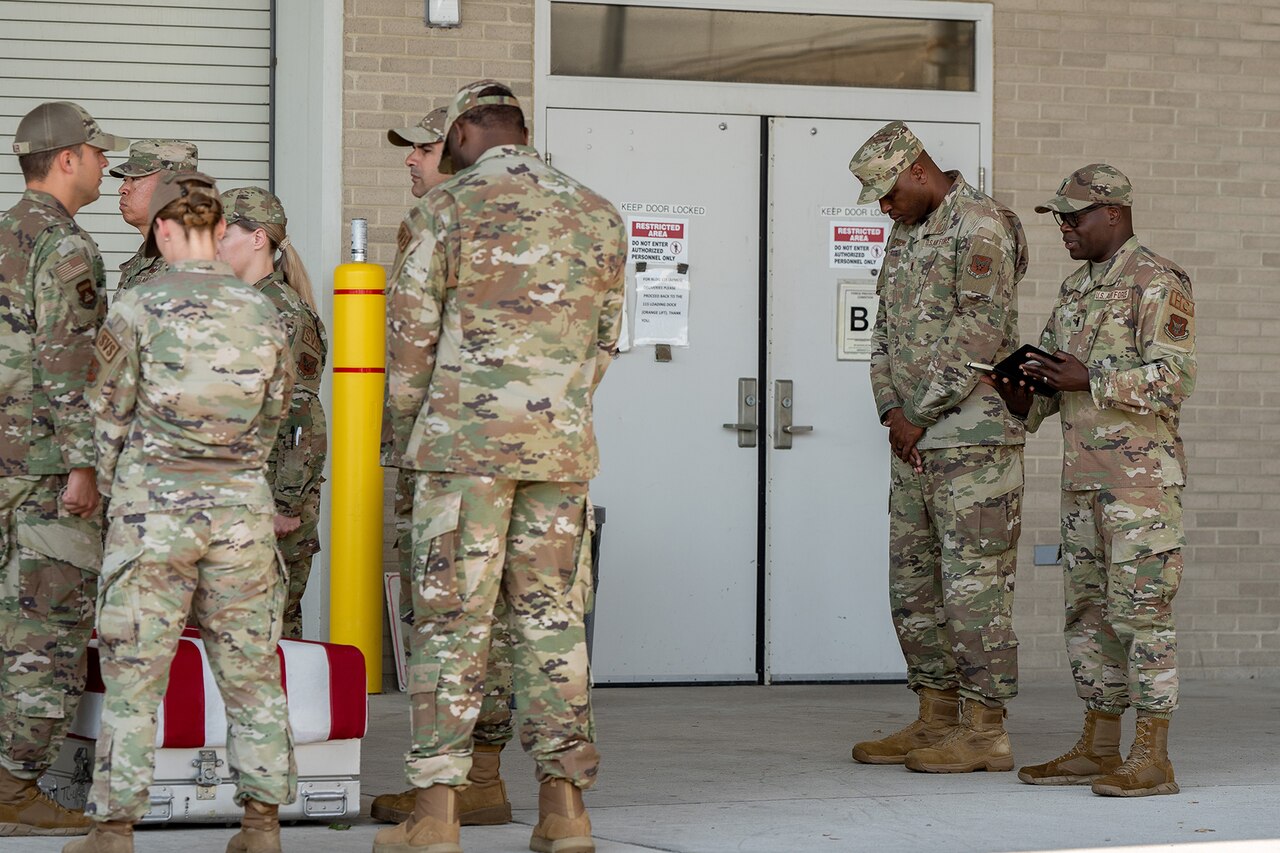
{"x": 325, "y": 685}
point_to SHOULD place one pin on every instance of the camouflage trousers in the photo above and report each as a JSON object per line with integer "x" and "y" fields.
{"x": 953, "y": 541}
{"x": 476, "y": 540}
{"x": 50, "y": 563}
{"x": 298, "y": 550}
{"x": 219, "y": 564}
{"x": 1122, "y": 561}
{"x": 298, "y": 470}
{"x": 493, "y": 726}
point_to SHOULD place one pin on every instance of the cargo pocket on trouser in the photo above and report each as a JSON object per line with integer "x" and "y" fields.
{"x": 436, "y": 576}
{"x": 582, "y": 585}
{"x": 988, "y": 511}
{"x": 60, "y": 560}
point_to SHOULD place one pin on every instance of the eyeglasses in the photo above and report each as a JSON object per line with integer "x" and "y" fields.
{"x": 1071, "y": 220}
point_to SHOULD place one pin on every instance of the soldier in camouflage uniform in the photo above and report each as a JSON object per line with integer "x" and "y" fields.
{"x": 193, "y": 377}
{"x": 1122, "y": 334}
{"x": 256, "y": 225}
{"x": 138, "y": 176}
{"x": 503, "y": 313}
{"x": 52, "y": 300}
{"x": 484, "y": 800}
{"x": 946, "y": 296}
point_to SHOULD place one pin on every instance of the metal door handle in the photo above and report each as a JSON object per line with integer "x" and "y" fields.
{"x": 748, "y": 424}
{"x": 783, "y": 410}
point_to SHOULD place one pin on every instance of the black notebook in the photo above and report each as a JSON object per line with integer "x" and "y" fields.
{"x": 1010, "y": 368}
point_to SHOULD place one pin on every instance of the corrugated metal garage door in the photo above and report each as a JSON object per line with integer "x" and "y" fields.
{"x": 143, "y": 68}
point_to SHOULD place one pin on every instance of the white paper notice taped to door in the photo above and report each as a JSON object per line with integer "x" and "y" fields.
{"x": 858, "y": 244}
{"x": 856, "y": 305}
{"x": 662, "y": 308}
{"x": 658, "y": 241}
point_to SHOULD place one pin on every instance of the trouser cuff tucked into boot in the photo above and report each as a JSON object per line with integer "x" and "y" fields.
{"x": 978, "y": 743}
{"x": 483, "y": 802}
{"x": 1147, "y": 770}
{"x": 939, "y": 715}
{"x": 259, "y": 829}
{"x": 563, "y": 824}
{"x": 1097, "y": 752}
{"x": 432, "y": 827}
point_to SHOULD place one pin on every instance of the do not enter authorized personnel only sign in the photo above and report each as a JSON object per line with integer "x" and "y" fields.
{"x": 658, "y": 241}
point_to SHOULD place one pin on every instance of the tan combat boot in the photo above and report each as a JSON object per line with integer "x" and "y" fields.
{"x": 482, "y": 803}
{"x": 978, "y": 743}
{"x": 109, "y": 836}
{"x": 432, "y": 827}
{"x": 563, "y": 824}
{"x": 259, "y": 829}
{"x": 26, "y": 810}
{"x": 1097, "y": 752}
{"x": 939, "y": 715}
{"x": 1147, "y": 770}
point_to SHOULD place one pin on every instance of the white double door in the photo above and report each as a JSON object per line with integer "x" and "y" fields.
{"x": 724, "y": 563}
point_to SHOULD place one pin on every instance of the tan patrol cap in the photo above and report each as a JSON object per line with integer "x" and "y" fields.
{"x": 887, "y": 154}
{"x": 59, "y": 124}
{"x": 425, "y": 132}
{"x": 467, "y": 99}
{"x": 148, "y": 156}
{"x": 253, "y": 205}
{"x": 171, "y": 187}
{"x": 1096, "y": 183}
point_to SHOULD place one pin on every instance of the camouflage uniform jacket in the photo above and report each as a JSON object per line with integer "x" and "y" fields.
{"x": 946, "y": 297}
{"x": 140, "y": 269}
{"x": 52, "y": 301}
{"x": 1134, "y": 329}
{"x": 504, "y": 310}
{"x": 293, "y": 470}
{"x": 193, "y": 379}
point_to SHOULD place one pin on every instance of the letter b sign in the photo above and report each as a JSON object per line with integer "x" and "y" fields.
{"x": 858, "y": 318}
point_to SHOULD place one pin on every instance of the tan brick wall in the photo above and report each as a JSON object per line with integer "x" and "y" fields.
{"x": 1183, "y": 96}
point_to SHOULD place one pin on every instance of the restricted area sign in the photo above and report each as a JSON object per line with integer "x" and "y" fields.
{"x": 858, "y": 244}
{"x": 658, "y": 241}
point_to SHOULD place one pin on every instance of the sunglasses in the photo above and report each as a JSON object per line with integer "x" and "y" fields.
{"x": 1071, "y": 220}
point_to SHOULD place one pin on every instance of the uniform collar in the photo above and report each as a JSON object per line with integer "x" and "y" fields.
{"x": 273, "y": 277}
{"x": 940, "y": 220}
{"x": 1111, "y": 268}
{"x": 42, "y": 197}
{"x": 508, "y": 151}
{"x": 215, "y": 267}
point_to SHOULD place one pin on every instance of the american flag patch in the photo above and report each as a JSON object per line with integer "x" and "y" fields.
{"x": 73, "y": 270}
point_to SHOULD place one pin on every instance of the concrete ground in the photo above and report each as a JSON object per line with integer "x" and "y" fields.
{"x": 710, "y": 769}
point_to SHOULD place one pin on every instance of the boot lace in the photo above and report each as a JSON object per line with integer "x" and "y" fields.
{"x": 1139, "y": 755}
{"x": 962, "y": 730}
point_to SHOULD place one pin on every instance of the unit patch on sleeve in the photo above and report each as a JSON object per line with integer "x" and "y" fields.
{"x": 403, "y": 236}
{"x": 980, "y": 266}
{"x": 75, "y": 272}
{"x": 107, "y": 344}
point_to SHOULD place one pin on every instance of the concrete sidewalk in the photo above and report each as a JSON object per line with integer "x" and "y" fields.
{"x": 767, "y": 769}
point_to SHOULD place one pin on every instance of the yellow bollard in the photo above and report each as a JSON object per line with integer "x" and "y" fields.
{"x": 355, "y": 535}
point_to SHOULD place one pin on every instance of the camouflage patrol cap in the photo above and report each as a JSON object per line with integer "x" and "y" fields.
{"x": 148, "y": 156}
{"x": 59, "y": 124}
{"x": 425, "y": 132}
{"x": 467, "y": 99}
{"x": 1096, "y": 183}
{"x": 171, "y": 187}
{"x": 887, "y": 154}
{"x": 253, "y": 206}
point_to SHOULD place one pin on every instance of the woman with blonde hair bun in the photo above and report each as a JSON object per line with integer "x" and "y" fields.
{"x": 255, "y": 233}
{"x": 192, "y": 375}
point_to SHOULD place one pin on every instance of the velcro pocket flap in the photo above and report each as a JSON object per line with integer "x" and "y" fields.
{"x": 71, "y": 539}
{"x": 440, "y": 515}
{"x": 1129, "y": 546}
